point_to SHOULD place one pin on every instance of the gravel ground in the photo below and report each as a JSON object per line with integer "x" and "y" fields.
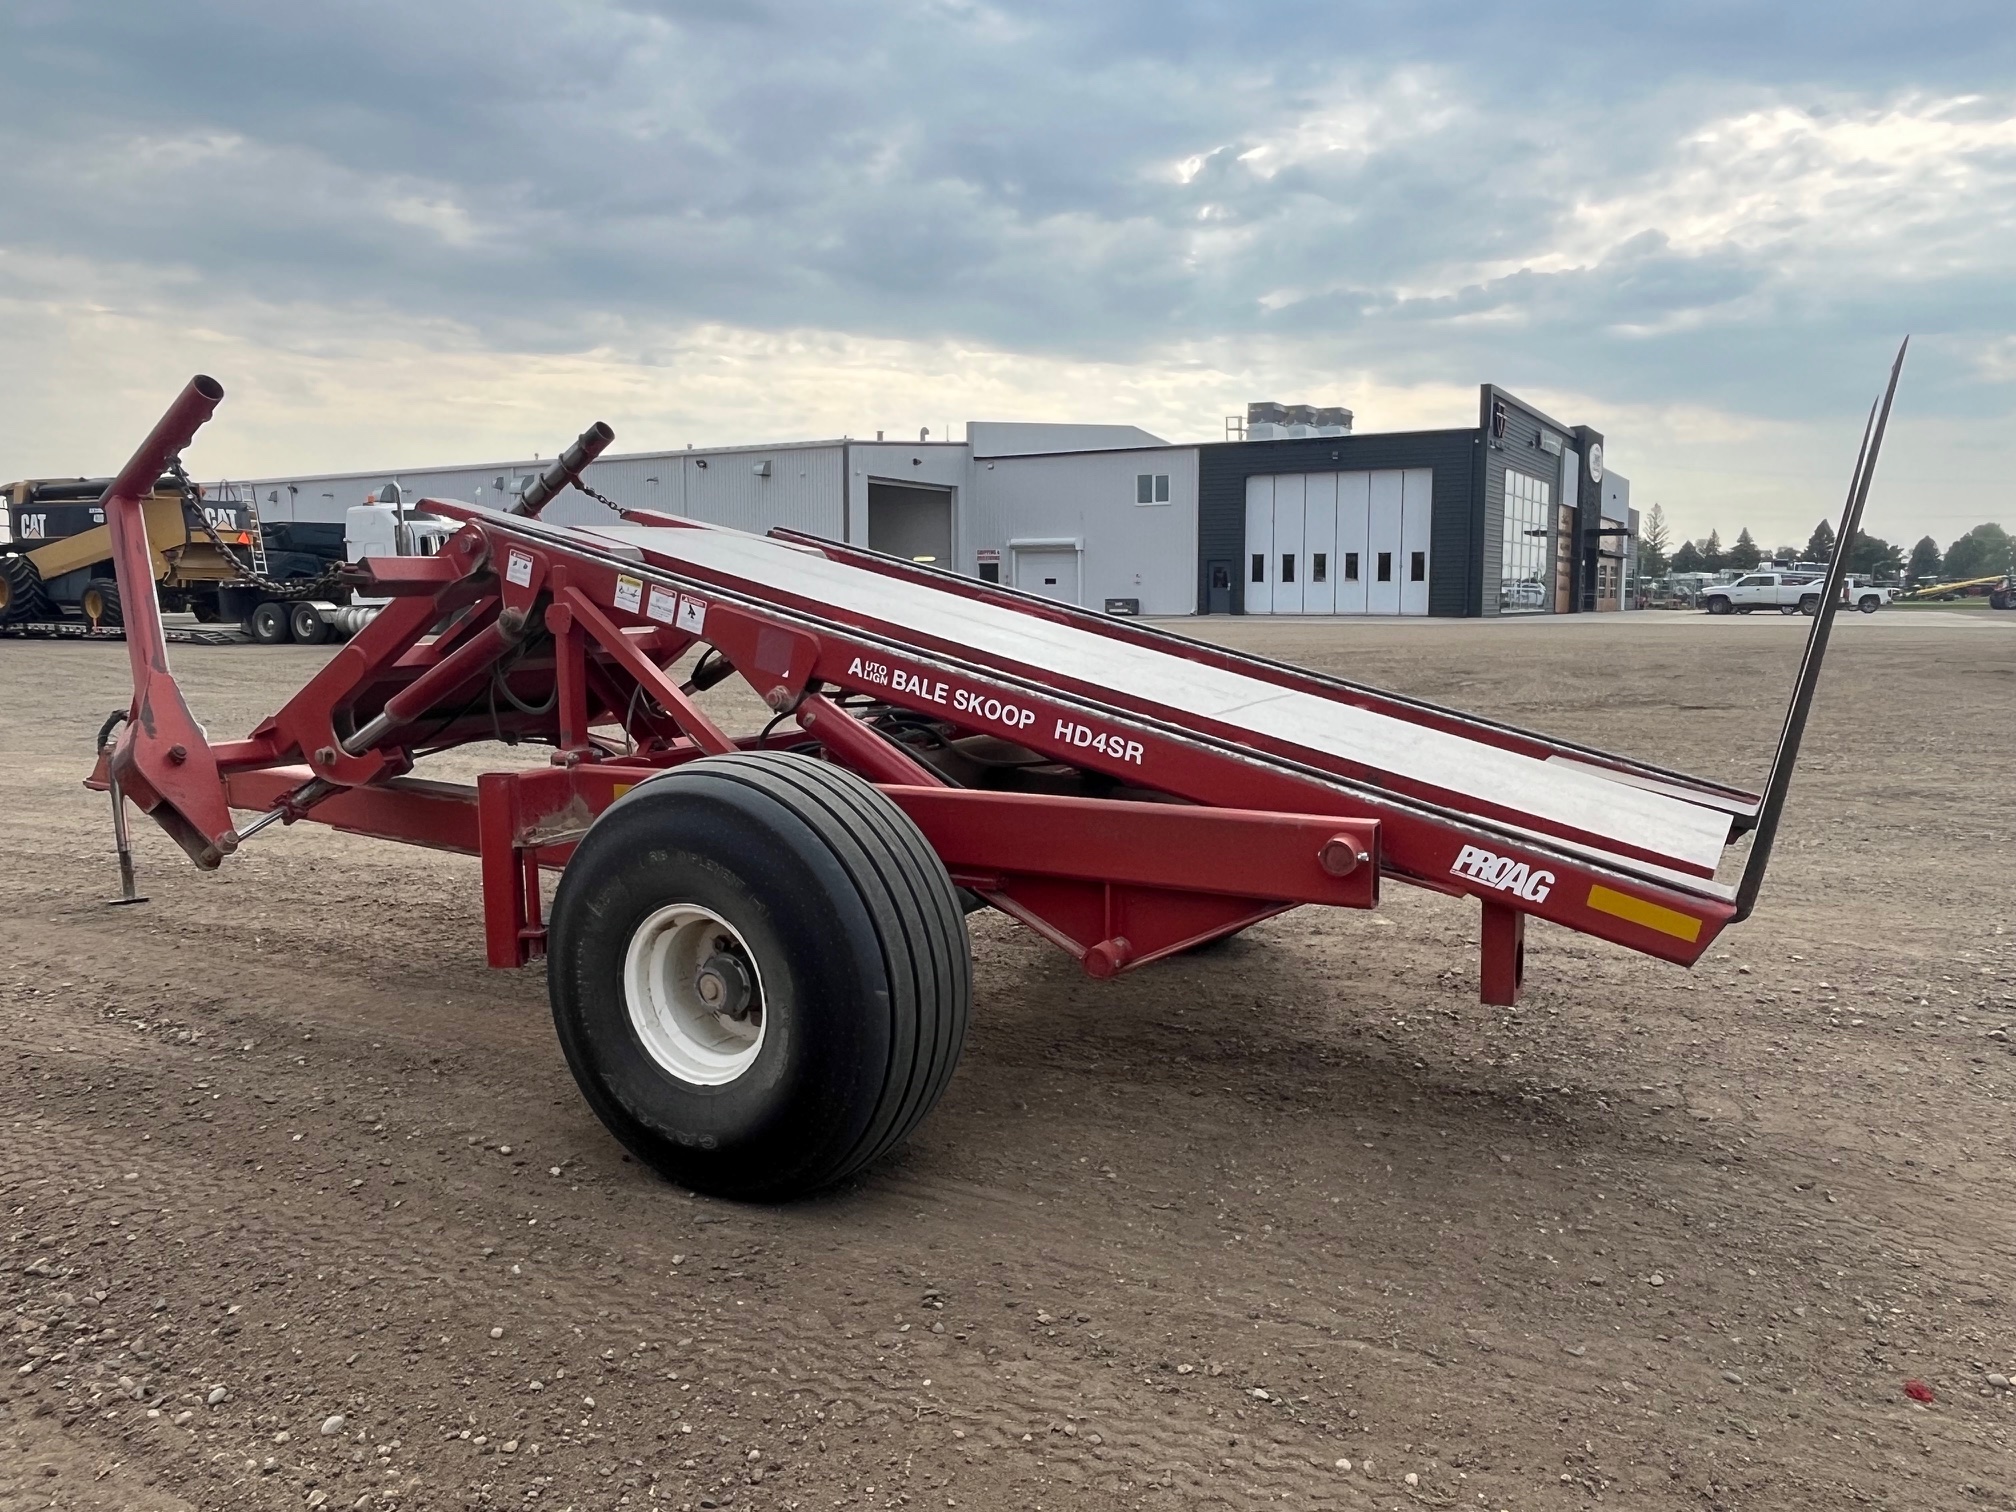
{"x": 299, "y": 1207}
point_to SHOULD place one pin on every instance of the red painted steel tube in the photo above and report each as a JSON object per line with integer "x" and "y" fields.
{"x": 162, "y": 760}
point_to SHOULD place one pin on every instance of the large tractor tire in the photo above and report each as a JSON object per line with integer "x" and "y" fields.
{"x": 759, "y": 973}
{"x": 100, "y": 603}
{"x": 21, "y": 593}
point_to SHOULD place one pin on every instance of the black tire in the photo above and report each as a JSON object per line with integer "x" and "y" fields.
{"x": 1719, "y": 605}
{"x": 860, "y": 960}
{"x": 1810, "y": 605}
{"x": 100, "y": 602}
{"x": 21, "y": 593}
{"x": 205, "y": 610}
{"x": 1869, "y": 603}
{"x": 308, "y": 627}
{"x": 268, "y": 624}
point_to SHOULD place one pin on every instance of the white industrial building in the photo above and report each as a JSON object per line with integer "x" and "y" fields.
{"x": 1061, "y": 510}
{"x": 1292, "y": 514}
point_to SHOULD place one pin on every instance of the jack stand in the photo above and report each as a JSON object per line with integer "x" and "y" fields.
{"x": 128, "y": 892}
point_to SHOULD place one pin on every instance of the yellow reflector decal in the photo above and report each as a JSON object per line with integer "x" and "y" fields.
{"x": 618, "y": 789}
{"x": 1652, "y": 915}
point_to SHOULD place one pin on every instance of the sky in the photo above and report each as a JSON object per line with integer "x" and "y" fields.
{"x": 404, "y": 235}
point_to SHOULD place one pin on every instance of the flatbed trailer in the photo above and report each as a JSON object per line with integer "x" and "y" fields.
{"x": 174, "y": 635}
{"x": 757, "y": 957}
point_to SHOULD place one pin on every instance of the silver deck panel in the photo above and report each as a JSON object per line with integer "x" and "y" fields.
{"x": 1555, "y": 792}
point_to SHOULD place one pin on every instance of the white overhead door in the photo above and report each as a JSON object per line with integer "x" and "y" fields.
{"x": 1051, "y": 571}
{"x": 1354, "y": 514}
{"x": 1382, "y": 544}
{"x": 1290, "y": 562}
{"x": 1319, "y": 542}
{"x": 1260, "y": 565}
{"x": 1417, "y": 486}
{"x": 1339, "y": 542}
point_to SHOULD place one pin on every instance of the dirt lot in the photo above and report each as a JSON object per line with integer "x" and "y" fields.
{"x": 299, "y": 1207}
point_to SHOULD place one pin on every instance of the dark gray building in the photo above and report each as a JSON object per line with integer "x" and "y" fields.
{"x": 1514, "y": 516}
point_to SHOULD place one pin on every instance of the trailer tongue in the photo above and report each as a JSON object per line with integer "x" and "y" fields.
{"x": 757, "y": 958}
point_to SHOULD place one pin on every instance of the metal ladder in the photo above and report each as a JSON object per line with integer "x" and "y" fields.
{"x": 253, "y": 527}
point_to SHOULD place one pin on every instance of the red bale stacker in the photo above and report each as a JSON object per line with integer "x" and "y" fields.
{"x": 756, "y": 948}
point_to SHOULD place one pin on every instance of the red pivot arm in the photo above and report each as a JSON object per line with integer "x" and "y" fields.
{"x": 163, "y": 760}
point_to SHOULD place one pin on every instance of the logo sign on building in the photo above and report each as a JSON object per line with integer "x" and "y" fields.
{"x": 1595, "y": 461}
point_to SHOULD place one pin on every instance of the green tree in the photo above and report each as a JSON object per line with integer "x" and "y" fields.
{"x": 1688, "y": 558}
{"x": 1653, "y": 540}
{"x": 1820, "y": 544}
{"x": 1924, "y": 564}
{"x": 1713, "y": 557}
{"x": 1874, "y": 557}
{"x": 1983, "y": 550}
{"x": 1744, "y": 553}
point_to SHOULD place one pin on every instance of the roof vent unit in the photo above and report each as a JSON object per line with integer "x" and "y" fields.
{"x": 1268, "y": 421}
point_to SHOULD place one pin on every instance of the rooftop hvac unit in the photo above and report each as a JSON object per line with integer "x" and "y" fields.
{"x": 1269, "y": 421}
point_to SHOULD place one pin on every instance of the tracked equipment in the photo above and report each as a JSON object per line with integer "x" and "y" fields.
{"x": 756, "y": 953}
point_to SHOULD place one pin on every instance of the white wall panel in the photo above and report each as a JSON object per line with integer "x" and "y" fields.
{"x": 1259, "y": 546}
{"x": 1354, "y": 503}
{"x": 1132, "y": 551}
{"x": 1290, "y": 562}
{"x": 1383, "y": 568}
{"x": 1416, "y": 513}
{"x": 1319, "y": 540}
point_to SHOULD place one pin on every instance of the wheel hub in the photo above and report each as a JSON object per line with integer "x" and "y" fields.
{"x": 694, "y": 995}
{"x": 724, "y": 986}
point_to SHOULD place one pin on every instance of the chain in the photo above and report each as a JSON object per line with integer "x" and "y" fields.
{"x": 600, "y": 498}
{"x": 292, "y": 589}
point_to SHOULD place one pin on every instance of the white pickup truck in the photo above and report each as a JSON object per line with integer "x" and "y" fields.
{"x": 1788, "y": 593}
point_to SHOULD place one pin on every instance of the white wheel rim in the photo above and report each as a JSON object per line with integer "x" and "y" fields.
{"x": 675, "y": 986}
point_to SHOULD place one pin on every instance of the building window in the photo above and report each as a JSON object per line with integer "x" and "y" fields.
{"x": 1526, "y": 556}
{"x": 1385, "y": 566}
{"x": 1259, "y": 568}
{"x": 1350, "y": 566}
{"x": 1319, "y": 567}
{"x": 1417, "y": 567}
{"x": 990, "y": 572}
{"x": 1151, "y": 488}
{"x": 1287, "y": 566}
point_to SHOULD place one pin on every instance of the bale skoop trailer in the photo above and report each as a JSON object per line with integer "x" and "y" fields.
{"x": 756, "y": 950}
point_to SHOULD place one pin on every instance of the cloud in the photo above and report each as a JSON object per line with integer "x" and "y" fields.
{"x": 1684, "y": 219}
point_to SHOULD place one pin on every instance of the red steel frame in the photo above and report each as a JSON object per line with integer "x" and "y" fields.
{"x": 1212, "y": 829}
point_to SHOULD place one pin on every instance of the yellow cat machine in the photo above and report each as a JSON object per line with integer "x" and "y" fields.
{"x": 56, "y": 567}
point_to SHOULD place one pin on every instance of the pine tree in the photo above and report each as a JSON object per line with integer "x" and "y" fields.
{"x": 1744, "y": 553}
{"x": 1688, "y": 558}
{"x": 1924, "y": 564}
{"x": 1652, "y": 543}
{"x": 1713, "y": 557}
{"x": 1820, "y": 544}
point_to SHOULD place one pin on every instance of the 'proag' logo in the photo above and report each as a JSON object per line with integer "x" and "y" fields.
{"x": 1503, "y": 873}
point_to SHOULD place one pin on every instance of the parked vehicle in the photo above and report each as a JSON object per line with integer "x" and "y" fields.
{"x": 56, "y": 564}
{"x": 1788, "y": 593}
